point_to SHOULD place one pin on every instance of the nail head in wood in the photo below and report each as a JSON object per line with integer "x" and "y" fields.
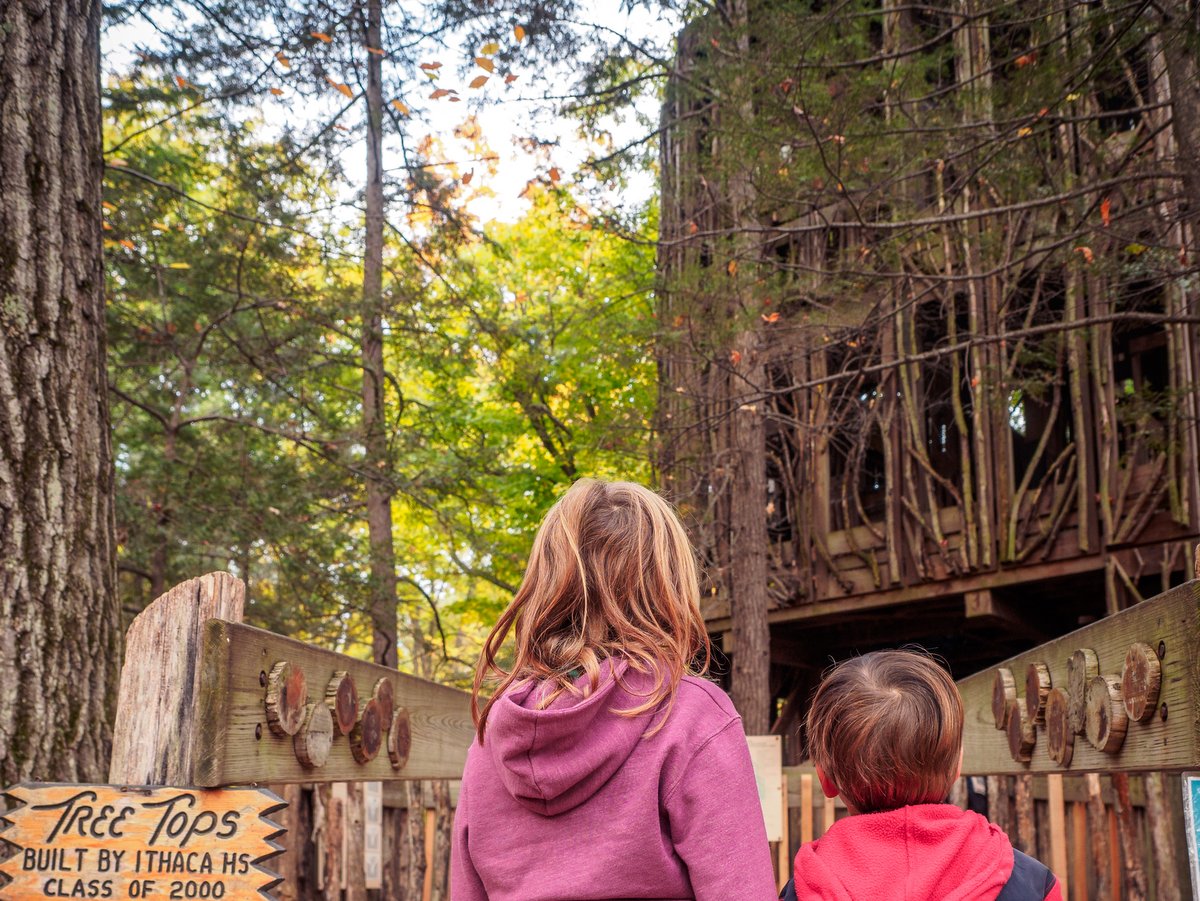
{"x": 366, "y": 738}
{"x": 314, "y": 741}
{"x": 1021, "y": 735}
{"x": 341, "y": 696}
{"x": 400, "y": 739}
{"x": 287, "y": 696}
{"x": 385, "y": 695}
{"x": 1060, "y": 737}
{"x": 1004, "y": 695}
{"x": 1140, "y": 681}
{"x": 1037, "y": 687}
{"x": 1107, "y": 721}
{"x": 1082, "y": 667}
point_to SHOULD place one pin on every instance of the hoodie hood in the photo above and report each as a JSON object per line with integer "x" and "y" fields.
{"x": 555, "y": 759}
{"x": 918, "y": 852}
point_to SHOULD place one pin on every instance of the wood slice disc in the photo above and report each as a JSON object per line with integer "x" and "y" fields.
{"x": 1140, "y": 681}
{"x": 1060, "y": 737}
{"x": 385, "y": 695}
{"x": 341, "y": 696}
{"x": 366, "y": 738}
{"x": 1021, "y": 736}
{"x": 1037, "y": 686}
{"x": 1004, "y": 694}
{"x": 287, "y": 696}
{"x": 1082, "y": 667}
{"x": 1106, "y": 717}
{"x": 400, "y": 739}
{"x": 315, "y": 738}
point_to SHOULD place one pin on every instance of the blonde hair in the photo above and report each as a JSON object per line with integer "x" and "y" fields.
{"x": 887, "y": 729}
{"x": 611, "y": 575}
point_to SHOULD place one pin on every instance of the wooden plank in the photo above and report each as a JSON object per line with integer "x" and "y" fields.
{"x": 828, "y": 815}
{"x": 806, "y": 808}
{"x": 153, "y": 734}
{"x": 236, "y": 747}
{"x": 1058, "y": 830}
{"x": 1170, "y": 621}
{"x": 1079, "y": 852}
{"x": 785, "y": 845}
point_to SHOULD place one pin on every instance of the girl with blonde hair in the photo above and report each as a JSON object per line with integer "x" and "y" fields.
{"x": 604, "y": 766}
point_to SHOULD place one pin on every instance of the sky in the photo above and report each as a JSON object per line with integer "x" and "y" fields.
{"x": 506, "y": 113}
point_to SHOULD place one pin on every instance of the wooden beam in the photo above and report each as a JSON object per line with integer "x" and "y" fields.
{"x": 983, "y": 608}
{"x": 1170, "y": 622}
{"x": 236, "y": 746}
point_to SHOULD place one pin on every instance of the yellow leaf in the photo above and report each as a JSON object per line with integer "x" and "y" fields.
{"x": 509, "y": 79}
{"x": 374, "y": 50}
{"x": 518, "y": 33}
{"x": 467, "y": 176}
{"x": 277, "y": 91}
{"x": 179, "y": 266}
{"x": 401, "y": 107}
{"x": 1024, "y": 132}
{"x": 161, "y": 226}
{"x": 429, "y": 67}
{"x": 438, "y": 94}
{"x": 125, "y": 242}
{"x": 343, "y": 89}
{"x": 107, "y": 226}
{"x": 479, "y": 81}
{"x": 489, "y": 48}
{"x": 484, "y": 63}
{"x": 283, "y": 60}
{"x": 321, "y": 36}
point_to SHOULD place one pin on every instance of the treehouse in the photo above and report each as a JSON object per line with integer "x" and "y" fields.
{"x": 943, "y": 303}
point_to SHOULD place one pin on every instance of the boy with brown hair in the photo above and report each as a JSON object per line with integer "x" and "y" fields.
{"x": 885, "y": 733}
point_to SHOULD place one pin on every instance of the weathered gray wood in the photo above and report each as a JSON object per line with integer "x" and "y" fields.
{"x": 153, "y": 735}
{"x": 237, "y": 747}
{"x": 1169, "y": 743}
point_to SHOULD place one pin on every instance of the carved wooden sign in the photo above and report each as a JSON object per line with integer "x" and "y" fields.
{"x": 101, "y": 841}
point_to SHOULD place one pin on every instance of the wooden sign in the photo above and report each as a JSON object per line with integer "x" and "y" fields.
{"x": 766, "y": 756}
{"x": 372, "y": 795}
{"x": 275, "y": 710}
{"x": 1119, "y": 695}
{"x": 173, "y": 844}
{"x": 1191, "y": 826}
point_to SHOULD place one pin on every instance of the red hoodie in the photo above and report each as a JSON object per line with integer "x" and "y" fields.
{"x": 916, "y": 853}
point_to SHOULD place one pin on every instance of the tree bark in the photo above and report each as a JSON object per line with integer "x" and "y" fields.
{"x": 59, "y": 617}
{"x": 1181, "y": 55}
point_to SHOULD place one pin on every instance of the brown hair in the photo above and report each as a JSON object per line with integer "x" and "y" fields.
{"x": 886, "y": 728}
{"x": 611, "y": 574}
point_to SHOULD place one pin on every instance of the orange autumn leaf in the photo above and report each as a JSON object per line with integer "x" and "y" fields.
{"x": 770, "y": 317}
{"x": 340, "y": 127}
{"x": 554, "y": 174}
{"x": 509, "y": 79}
{"x": 283, "y": 60}
{"x": 438, "y": 94}
{"x": 182, "y": 82}
{"x": 484, "y": 63}
{"x": 1106, "y": 211}
{"x": 518, "y": 33}
{"x": 479, "y": 81}
{"x": 455, "y": 99}
{"x": 1027, "y": 59}
{"x": 732, "y": 267}
{"x": 401, "y": 107}
{"x": 735, "y": 357}
{"x": 321, "y": 36}
{"x": 125, "y": 242}
{"x": 342, "y": 89}
{"x": 692, "y": 228}
{"x": 374, "y": 50}
{"x": 107, "y": 226}
{"x": 467, "y": 176}
{"x": 431, "y": 67}
{"x": 276, "y": 91}
{"x": 1087, "y": 254}
{"x": 107, "y": 205}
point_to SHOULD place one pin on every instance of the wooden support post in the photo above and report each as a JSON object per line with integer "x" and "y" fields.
{"x": 1023, "y": 796}
{"x": 1131, "y": 842}
{"x": 154, "y": 740}
{"x": 1162, "y": 839}
{"x": 1114, "y": 856}
{"x": 1058, "y": 830}
{"x": 1098, "y": 828}
{"x": 785, "y": 843}
{"x": 829, "y": 815}
{"x": 806, "y": 808}
{"x": 1079, "y": 852}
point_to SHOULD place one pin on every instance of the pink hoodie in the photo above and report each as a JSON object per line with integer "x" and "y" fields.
{"x": 572, "y": 802}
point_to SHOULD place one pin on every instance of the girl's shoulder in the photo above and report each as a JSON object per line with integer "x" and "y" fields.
{"x": 703, "y": 704}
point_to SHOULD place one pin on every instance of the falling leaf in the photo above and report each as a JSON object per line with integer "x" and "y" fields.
{"x": 1106, "y": 211}
{"x": 509, "y": 79}
{"x": 283, "y": 60}
{"x": 1072, "y": 97}
{"x": 484, "y": 63}
{"x": 786, "y": 86}
{"x": 182, "y": 82}
{"x": 180, "y": 266}
{"x": 1024, "y": 131}
{"x": 692, "y": 228}
{"x": 1136, "y": 249}
{"x": 715, "y": 43}
{"x": 1027, "y": 60}
{"x": 107, "y": 226}
{"x": 374, "y": 50}
{"x": 735, "y": 357}
{"x": 125, "y": 242}
{"x": 732, "y": 267}
{"x": 107, "y": 205}
{"x": 343, "y": 89}
{"x": 478, "y": 81}
{"x": 467, "y": 176}
{"x": 277, "y": 91}
{"x": 1043, "y": 111}
{"x": 430, "y": 67}
{"x": 770, "y": 317}
{"x": 456, "y": 99}
{"x": 321, "y": 36}
{"x": 1087, "y": 254}
{"x": 161, "y": 226}
{"x": 489, "y": 48}
{"x": 340, "y": 127}
{"x": 438, "y": 94}
{"x": 554, "y": 174}
{"x": 518, "y": 33}
{"x": 401, "y": 107}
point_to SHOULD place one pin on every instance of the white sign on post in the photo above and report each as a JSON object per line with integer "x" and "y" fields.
{"x": 373, "y": 834}
{"x": 1191, "y": 827}
{"x": 766, "y": 754}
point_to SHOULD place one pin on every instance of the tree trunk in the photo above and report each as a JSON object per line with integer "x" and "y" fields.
{"x": 1181, "y": 54}
{"x": 375, "y": 439}
{"x": 59, "y": 617}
